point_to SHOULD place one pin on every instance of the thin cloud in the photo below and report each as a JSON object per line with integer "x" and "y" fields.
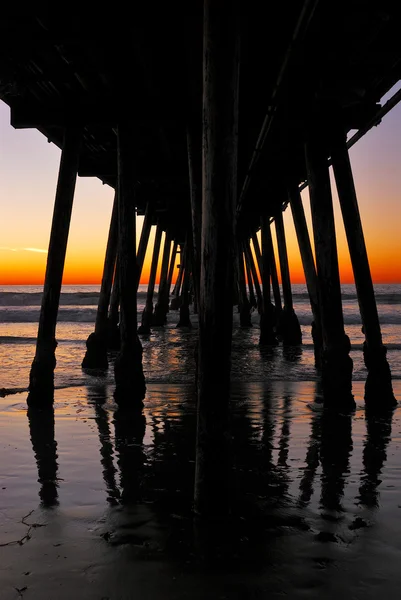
{"x": 35, "y": 250}
{"x": 7, "y": 248}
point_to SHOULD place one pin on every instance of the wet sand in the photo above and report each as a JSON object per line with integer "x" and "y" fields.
{"x": 97, "y": 505}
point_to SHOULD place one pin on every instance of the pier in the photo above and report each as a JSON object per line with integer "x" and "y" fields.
{"x": 210, "y": 121}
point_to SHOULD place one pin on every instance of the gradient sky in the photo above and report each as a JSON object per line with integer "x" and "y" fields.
{"x": 28, "y": 176}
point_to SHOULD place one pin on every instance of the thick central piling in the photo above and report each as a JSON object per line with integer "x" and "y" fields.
{"x": 130, "y": 381}
{"x": 219, "y": 147}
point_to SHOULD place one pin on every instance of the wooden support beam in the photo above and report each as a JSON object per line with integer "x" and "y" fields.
{"x": 130, "y": 381}
{"x": 220, "y": 153}
{"x": 194, "y": 147}
{"x": 378, "y": 389}
{"x": 113, "y": 334}
{"x": 41, "y": 378}
{"x": 288, "y": 325}
{"x": 144, "y": 239}
{"x": 29, "y": 115}
{"x": 336, "y": 362}
{"x": 273, "y": 267}
{"x": 268, "y": 317}
{"x": 175, "y": 301}
{"x": 171, "y": 267}
{"x": 274, "y": 276}
{"x": 184, "y": 320}
{"x": 249, "y": 259}
{"x": 161, "y": 308}
{"x": 283, "y": 258}
{"x": 258, "y": 254}
{"x": 96, "y": 344}
{"x": 147, "y": 314}
{"x": 252, "y": 297}
{"x": 244, "y": 304}
{"x": 308, "y": 262}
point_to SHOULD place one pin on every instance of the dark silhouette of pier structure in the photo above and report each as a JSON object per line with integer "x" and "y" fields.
{"x": 209, "y": 120}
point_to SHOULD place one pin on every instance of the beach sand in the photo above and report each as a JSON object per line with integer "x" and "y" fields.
{"x": 95, "y": 505}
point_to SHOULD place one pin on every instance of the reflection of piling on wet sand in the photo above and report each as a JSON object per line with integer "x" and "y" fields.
{"x": 44, "y": 446}
{"x": 378, "y": 436}
{"x": 293, "y": 515}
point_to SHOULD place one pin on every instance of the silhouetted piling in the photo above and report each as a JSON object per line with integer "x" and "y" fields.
{"x": 274, "y": 276}
{"x": 194, "y": 146}
{"x": 308, "y": 263}
{"x": 220, "y": 147}
{"x": 147, "y": 314}
{"x": 175, "y": 301}
{"x": 244, "y": 304}
{"x": 96, "y": 344}
{"x": 171, "y": 269}
{"x": 252, "y": 297}
{"x": 161, "y": 308}
{"x": 378, "y": 388}
{"x": 336, "y": 362}
{"x": 288, "y": 324}
{"x": 113, "y": 330}
{"x": 144, "y": 239}
{"x": 249, "y": 259}
{"x": 130, "y": 381}
{"x": 184, "y": 320}
{"x": 41, "y": 378}
{"x": 268, "y": 316}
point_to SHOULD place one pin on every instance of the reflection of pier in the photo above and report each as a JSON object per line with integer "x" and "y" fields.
{"x": 97, "y": 398}
{"x": 277, "y": 484}
{"x": 247, "y": 124}
{"x": 44, "y": 446}
{"x": 129, "y": 431}
{"x": 378, "y": 436}
{"x": 335, "y": 451}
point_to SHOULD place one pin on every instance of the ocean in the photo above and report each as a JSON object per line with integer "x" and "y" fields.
{"x": 167, "y": 351}
{"x": 97, "y": 503}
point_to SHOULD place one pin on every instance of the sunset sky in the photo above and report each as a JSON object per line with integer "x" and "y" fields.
{"x": 28, "y": 176}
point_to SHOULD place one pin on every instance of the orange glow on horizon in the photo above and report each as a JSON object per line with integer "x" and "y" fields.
{"x": 27, "y": 266}
{"x": 30, "y": 270}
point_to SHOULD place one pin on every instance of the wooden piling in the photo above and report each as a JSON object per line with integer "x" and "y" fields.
{"x": 147, "y": 314}
{"x": 220, "y": 148}
{"x": 175, "y": 301}
{"x": 171, "y": 268}
{"x": 161, "y": 308}
{"x": 194, "y": 146}
{"x": 252, "y": 297}
{"x": 128, "y": 371}
{"x": 336, "y": 362}
{"x": 244, "y": 304}
{"x": 251, "y": 262}
{"x": 41, "y": 378}
{"x": 378, "y": 387}
{"x": 274, "y": 276}
{"x": 268, "y": 319}
{"x": 288, "y": 325}
{"x": 308, "y": 263}
{"x": 96, "y": 344}
{"x": 144, "y": 239}
{"x": 184, "y": 320}
{"x": 258, "y": 254}
{"x": 113, "y": 330}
